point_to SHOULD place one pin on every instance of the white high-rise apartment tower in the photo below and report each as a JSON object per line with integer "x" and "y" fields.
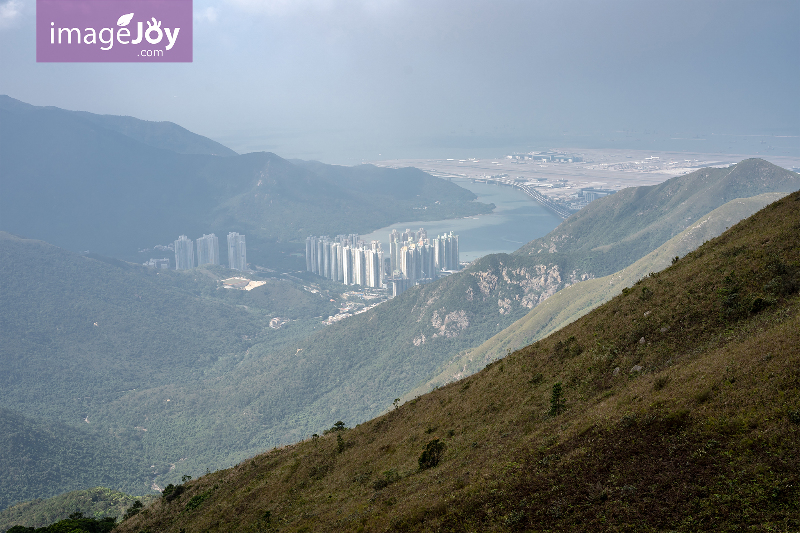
{"x": 208, "y": 250}
{"x": 237, "y": 252}
{"x": 184, "y": 253}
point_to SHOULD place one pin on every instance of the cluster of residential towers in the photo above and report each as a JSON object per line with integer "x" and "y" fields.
{"x": 413, "y": 259}
{"x": 347, "y": 259}
{"x": 208, "y": 251}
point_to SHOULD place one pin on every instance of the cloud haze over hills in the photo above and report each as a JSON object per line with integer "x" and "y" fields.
{"x": 345, "y": 80}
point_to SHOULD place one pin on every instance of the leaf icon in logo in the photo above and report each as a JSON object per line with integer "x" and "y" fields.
{"x": 124, "y": 20}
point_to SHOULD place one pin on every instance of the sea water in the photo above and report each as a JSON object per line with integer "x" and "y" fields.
{"x": 516, "y": 220}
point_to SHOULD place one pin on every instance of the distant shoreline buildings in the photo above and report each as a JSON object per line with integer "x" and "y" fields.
{"x": 207, "y": 253}
{"x": 413, "y": 259}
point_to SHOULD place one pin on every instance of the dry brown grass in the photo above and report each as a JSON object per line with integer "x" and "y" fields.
{"x": 701, "y": 437}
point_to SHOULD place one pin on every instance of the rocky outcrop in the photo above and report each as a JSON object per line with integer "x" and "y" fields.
{"x": 450, "y": 324}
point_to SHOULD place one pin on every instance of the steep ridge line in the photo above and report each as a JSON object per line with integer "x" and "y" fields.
{"x": 573, "y": 302}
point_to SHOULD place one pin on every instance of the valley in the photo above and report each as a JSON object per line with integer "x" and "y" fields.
{"x": 151, "y": 375}
{"x": 388, "y": 267}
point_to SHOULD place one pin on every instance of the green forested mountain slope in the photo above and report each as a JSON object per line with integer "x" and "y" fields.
{"x": 79, "y": 331}
{"x": 39, "y": 460}
{"x": 673, "y": 407}
{"x": 575, "y": 301}
{"x": 98, "y": 502}
{"x": 114, "y": 186}
{"x": 90, "y": 344}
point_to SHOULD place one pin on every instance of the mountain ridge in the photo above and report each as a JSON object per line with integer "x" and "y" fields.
{"x": 576, "y": 300}
{"x": 162, "y": 134}
{"x": 76, "y": 183}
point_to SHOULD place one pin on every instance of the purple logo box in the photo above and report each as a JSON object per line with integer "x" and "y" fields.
{"x": 120, "y": 31}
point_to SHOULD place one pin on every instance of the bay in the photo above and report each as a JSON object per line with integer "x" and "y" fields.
{"x": 516, "y": 220}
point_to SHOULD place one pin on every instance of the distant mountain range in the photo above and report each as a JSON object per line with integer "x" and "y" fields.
{"x": 162, "y": 135}
{"x": 115, "y": 185}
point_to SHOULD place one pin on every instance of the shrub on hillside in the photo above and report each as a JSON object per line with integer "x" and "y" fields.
{"x": 338, "y": 426}
{"x": 432, "y": 454}
{"x": 172, "y": 491}
{"x": 133, "y": 510}
{"x": 556, "y": 399}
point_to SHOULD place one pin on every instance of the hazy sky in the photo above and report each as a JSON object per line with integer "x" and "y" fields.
{"x": 345, "y": 80}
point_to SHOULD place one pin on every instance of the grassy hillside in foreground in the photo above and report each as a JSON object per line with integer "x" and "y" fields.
{"x": 99, "y": 502}
{"x": 675, "y": 406}
{"x": 569, "y": 304}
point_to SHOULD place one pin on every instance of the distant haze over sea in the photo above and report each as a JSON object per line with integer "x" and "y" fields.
{"x": 339, "y": 148}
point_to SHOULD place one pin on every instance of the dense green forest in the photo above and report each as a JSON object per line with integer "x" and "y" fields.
{"x": 40, "y": 459}
{"x": 71, "y": 320}
{"x": 96, "y": 503}
{"x": 90, "y": 343}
